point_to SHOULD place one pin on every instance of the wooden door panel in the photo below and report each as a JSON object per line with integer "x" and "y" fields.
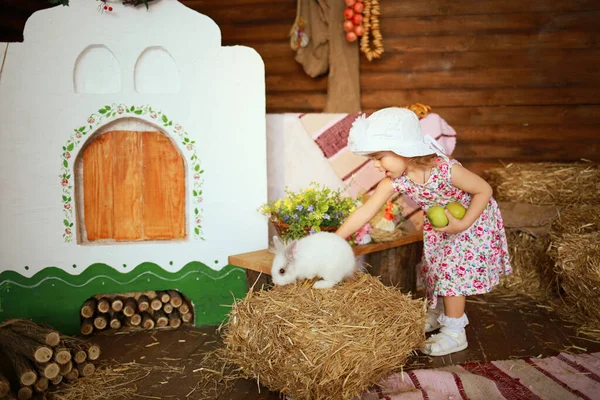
{"x": 127, "y": 184}
{"x": 164, "y": 188}
{"x": 98, "y": 188}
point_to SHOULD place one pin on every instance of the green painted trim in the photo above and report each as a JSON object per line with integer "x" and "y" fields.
{"x": 55, "y": 297}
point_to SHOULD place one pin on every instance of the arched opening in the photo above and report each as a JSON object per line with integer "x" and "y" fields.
{"x": 97, "y": 70}
{"x": 130, "y": 186}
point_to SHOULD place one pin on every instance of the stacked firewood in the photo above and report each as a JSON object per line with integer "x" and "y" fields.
{"x": 147, "y": 310}
{"x": 33, "y": 357}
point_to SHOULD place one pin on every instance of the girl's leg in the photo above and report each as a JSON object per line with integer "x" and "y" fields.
{"x": 452, "y": 336}
{"x": 454, "y": 306}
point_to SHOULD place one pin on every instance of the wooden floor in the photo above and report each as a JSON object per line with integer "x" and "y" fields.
{"x": 501, "y": 328}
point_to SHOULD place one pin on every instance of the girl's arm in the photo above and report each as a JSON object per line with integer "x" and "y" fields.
{"x": 469, "y": 182}
{"x": 364, "y": 213}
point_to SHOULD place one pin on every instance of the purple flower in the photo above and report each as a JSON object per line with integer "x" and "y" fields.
{"x": 299, "y": 207}
{"x": 312, "y": 232}
{"x": 335, "y": 215}
{"x": 326, "y": 216}
{"x": 296, "y": 217}
{"x": 286, "y": 217}
{"x": 310, "y": 208}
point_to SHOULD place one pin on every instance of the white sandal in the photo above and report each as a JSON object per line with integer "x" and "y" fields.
{"x": 445, "y": 342}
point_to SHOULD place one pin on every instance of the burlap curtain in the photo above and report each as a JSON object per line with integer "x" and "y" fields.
{"x": 320, "y": 44}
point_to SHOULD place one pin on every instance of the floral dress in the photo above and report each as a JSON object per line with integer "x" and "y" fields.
{"x": 462, "y": 264}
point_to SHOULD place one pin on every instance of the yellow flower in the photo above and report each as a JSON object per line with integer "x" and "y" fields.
{"x": 278, "y": 204}
{"x": 309, "y": 189}
{"x": 352, "y": 208}
{"x": 287, "y": 203}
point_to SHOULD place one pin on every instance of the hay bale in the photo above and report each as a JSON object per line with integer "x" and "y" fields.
{"x": 578, "y": 267}
{"x": 533, "y": 263}
{"x": 533, "y": 269}
{"x": 323, "y": 344}
{"x": 546, "y": 183}
{"x": 577, "y": 219}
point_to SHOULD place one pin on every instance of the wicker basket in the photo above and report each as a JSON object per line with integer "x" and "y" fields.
{"x": 282, "y": 228}
{"x": 379, "y": 235}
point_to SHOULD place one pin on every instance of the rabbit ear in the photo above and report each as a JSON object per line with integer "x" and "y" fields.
{"x": 278, "y": 244}
{"x": 290, "y": 250}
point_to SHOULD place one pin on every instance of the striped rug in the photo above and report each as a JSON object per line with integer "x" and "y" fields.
{"x": 562, "y": 377}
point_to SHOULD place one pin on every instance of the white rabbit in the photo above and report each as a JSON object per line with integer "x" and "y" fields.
{"x": 324, "y": 255}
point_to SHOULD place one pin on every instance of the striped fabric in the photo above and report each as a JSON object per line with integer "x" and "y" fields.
{"x": 562, "y": 377}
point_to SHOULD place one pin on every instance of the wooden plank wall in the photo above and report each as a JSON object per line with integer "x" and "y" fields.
{"x": 517, "y": 79}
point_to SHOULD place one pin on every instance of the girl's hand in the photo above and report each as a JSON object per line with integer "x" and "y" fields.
{"x": 454, "y": 225}
{"x": 367, "y": 211}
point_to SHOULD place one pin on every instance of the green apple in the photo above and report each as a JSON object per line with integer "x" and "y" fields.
{"x": 456, "y": 209}
{"x": 437, "y": 216}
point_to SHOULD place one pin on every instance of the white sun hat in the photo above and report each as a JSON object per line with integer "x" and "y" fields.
{"x": 391, "y": 129}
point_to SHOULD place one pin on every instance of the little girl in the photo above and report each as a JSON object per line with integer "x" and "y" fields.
{"x": 464, "y": 258}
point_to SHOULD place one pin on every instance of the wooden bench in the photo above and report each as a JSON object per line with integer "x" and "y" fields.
{"x": 393, "y": 261}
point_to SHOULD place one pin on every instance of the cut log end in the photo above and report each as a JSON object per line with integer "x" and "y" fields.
{"x": 135, "y": 320}
{"x": 93, "y": 352}
{"x": 175, "y": 319}
{"x": 168, "y": 308}
{"x": 86, "y": 369}
{"x": 187, "y": 317}
{"x": 184, "y": 308}
{"x": 143, "y": 303}
{"x": 88, "y": 309}
{"x": 163, "y": 296}
{"x": 43, "y": 354}
{"x": 62, "y": 356}
{"x": 115, "y": 324}
{"x": 156, "y": 304}
{"x": 41, "y": 385}
{"x": 53, "y": 339}
{"x": 101, "y": 322}
{"x": 66, "y": 368}
{"x": 72, "y": 375}
{"x": 117, "y": 305}
{"x": 161, "y": 319}
{"x": 28, "y": 378}
{"x": 25, "y": 393}
{"x": 87, "y": 327}
{"x": 104, "y": 305}
{"x": 175, "y": 323}
{"x": 176, "y": 300}
{"x": 130, "y": 307}
{"x": 79, "y": 356}
{"x": 56, "y": 381}
{"x": 49, "y": 370}
{"x": 147, "y": 321}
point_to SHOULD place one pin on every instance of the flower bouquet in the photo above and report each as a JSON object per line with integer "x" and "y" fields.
{"x": 309, "y": 210}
